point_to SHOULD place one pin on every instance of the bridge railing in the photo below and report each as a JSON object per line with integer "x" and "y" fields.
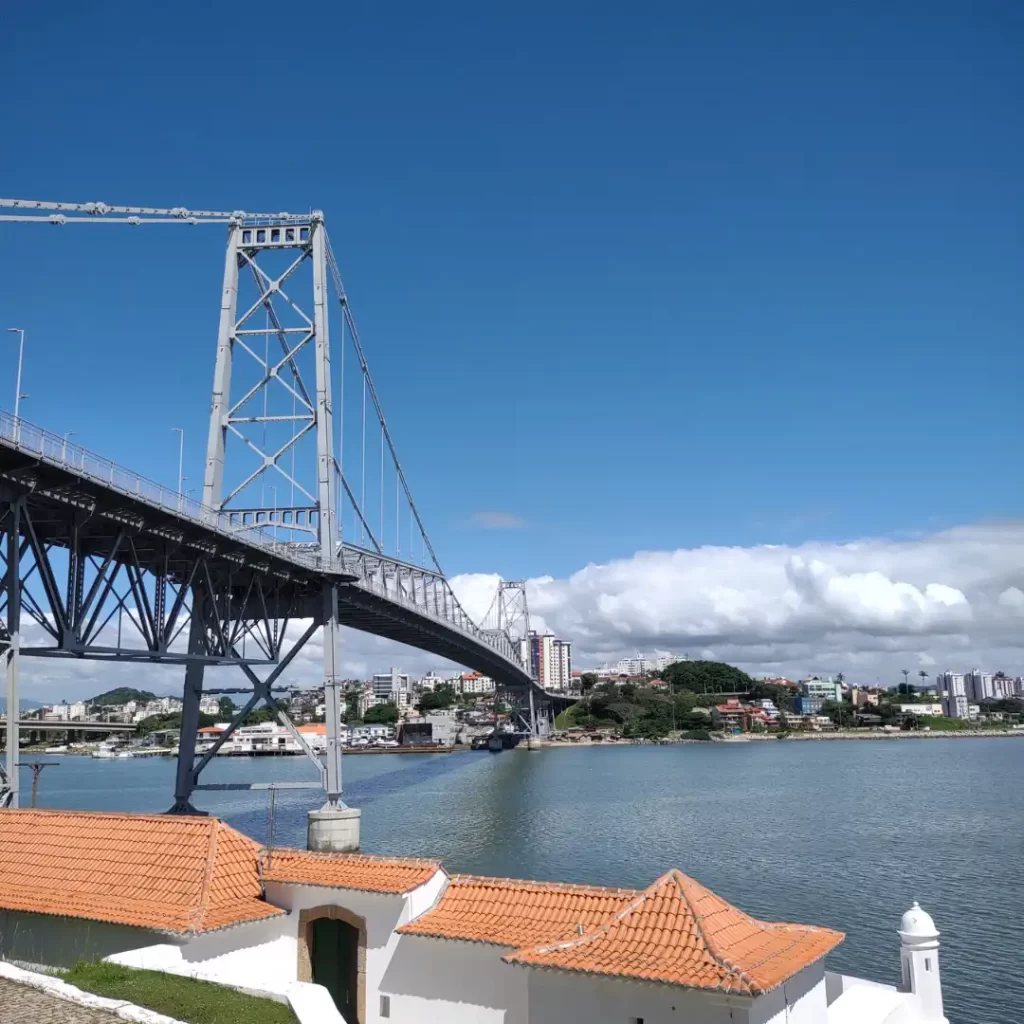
{"x": 384, "y": 576}
{"x": 58, "y": 451}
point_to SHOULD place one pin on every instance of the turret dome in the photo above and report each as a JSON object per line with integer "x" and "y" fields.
{"x": 917, "y": 924}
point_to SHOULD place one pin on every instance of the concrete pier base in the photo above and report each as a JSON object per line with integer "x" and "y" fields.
{"x": 534, "y": 743}
{"x": 333, "y": 830}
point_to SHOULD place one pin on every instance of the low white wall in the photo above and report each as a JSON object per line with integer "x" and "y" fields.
{"x": 801, "y": 1000}
{"x": 250, "y": 957}
{"x": 430, "y": 980}
{"x": 312, "y": 1004}
{"x": 63, "y": 941}
{"x": 560, "y": 996}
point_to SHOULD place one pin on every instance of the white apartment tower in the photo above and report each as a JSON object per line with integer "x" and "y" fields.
{"x": 392, "y": 686}
{"x": 953, "y": 690}
{"x": 548, "y": 659}
{"x": 980, "y": 685}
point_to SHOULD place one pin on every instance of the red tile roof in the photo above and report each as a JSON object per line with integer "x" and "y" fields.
{"x": 349, "y": 870}
{"x": 193, "y": 874}
{"x": 508, "y": 912}
{"x": 166, "y": 872}
{"x": 681, "y": 933}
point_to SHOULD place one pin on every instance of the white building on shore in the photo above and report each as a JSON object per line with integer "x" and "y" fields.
{"x": 350, "y": 939}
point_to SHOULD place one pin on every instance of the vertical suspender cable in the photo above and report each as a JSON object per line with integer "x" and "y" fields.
{"x": 266, "y": 389}
{"x": 340, "y": 494}
{"x": 362, "y": 491}
{"x": 398, "y": 516}
{"x": 382, "y": 483}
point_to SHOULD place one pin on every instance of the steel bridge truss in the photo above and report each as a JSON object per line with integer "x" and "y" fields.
{"x": 105, "y": 564}
{"x": 87, "y": 571}
{"x": 110, "y": 589}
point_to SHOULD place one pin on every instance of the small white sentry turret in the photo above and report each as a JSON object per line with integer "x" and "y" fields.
{"x": 919, "y": 960}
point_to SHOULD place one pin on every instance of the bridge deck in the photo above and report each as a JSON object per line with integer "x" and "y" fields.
{"x": 68, "y": 485}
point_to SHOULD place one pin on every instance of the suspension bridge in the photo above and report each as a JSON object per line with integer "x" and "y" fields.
{"x": 306, "y": 521}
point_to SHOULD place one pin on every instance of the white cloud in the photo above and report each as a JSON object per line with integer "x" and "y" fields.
{"x": 498, "y": 520}
{"x": 869, "y": 608}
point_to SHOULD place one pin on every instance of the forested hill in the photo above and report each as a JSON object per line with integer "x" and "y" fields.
{"x": 122, "y": 695}
{"x": 707, "y": 677}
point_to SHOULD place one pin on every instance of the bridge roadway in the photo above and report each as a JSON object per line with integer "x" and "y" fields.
{"x": 55, "y": 725}
{"x": 91, "y": 508}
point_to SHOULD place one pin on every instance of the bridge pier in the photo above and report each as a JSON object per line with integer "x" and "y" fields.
{"x": 533, "y": 743}
{"x": 185, "y": 779}
{"x": 334, "y": 828}
{"x": 9, "y": 796}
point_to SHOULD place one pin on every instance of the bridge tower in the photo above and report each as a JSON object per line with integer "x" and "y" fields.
{"x": 513, "y": 618}
{"x": 272, "y": 408}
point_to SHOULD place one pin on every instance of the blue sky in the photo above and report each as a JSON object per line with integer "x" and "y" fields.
{"x": 648, "y": 277}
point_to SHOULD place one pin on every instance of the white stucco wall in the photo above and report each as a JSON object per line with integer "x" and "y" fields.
{"x": 259, "y": 957}
{"x": 382, "y": 913}
{"x": 801, "y": 1000}
{"x": 263, "y": 957}
{"x": 559, "y": 996}
{"x": 430, "y": 980}
{"x": 62, "y": 941}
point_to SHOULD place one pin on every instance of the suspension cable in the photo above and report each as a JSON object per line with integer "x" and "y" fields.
{"x": 357, "y": 345}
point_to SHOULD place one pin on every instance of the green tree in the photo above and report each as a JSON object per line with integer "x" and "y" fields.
{"x": 707, "y": 677}
{"x": 226, "y": 708}
{"x": 259, "y": 716}
{"x": 121, "y": 695}
{"x": 156, "y": 723}
{"x": 433, "y": 700}
{"x": 352, "y": 707}
{"x": 386, "y": 714}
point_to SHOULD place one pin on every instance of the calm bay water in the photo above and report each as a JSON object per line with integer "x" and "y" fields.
{"x": 845, "y": 834}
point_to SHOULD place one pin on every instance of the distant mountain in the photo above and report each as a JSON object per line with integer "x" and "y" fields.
{"x": 26, "y": 705}
{"x": 121, "y": 695}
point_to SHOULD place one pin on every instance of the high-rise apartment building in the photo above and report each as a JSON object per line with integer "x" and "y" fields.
{"x": 979, "y": 685}
{"x": 473, "y": 682}
{"x": 953, "y": 690}
{"x": 393, "y": 686}
{"x": 548, "y": 659}
{"x": 634, "y": 667}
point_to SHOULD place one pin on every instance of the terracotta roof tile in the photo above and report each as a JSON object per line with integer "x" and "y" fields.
{"x": 508, "y": 912}
{"x": 679, "y": 932}
{"x": 349, "y": 870}
{"x": 170, "y": 873}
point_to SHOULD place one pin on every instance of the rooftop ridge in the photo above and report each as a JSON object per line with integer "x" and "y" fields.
{"x": 199, "y": 912}
{"x": 582, "y": 940}
{"x": 526, "y": 883}
{"x": 358, "y": 858}
{"x": 684, "y": 881}
{"x": 681, "y": 882}
{"x": 644, "y": 939}
{"x": 199, "y": 821}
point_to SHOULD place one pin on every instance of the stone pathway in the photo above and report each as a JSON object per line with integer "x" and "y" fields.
{"x": 22, "y": 1005}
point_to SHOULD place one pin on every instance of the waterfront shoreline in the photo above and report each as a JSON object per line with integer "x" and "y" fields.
{"x": 798, "y": 737}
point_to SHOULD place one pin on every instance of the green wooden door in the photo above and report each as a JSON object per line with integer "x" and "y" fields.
{"x": 335, "y": 959}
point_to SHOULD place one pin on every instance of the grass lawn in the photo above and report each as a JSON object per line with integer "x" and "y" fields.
{"x": 937, "y": 724}
{"x": 198, "y": 1002}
